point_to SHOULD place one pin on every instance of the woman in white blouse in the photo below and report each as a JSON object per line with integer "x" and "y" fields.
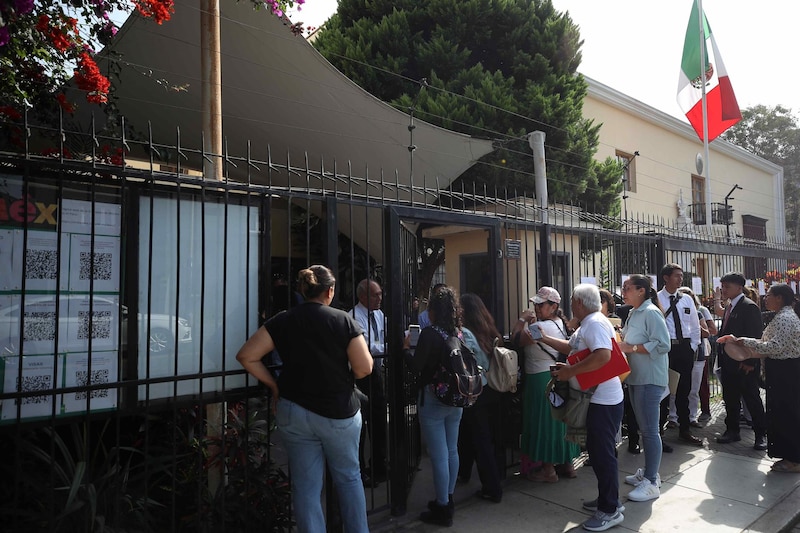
{"x": 780, "y": 346}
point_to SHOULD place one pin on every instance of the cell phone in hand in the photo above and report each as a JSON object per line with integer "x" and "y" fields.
{"x": 413, "y": 334}
{"x": 536, "y": 333}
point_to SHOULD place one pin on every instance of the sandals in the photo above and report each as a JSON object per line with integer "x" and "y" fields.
{"x": 566, "y": 471}
{"x": 786, "y": 466}
{"x": 542, "y": 477}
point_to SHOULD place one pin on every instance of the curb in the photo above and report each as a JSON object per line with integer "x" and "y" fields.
{"x": 781, "y": 517}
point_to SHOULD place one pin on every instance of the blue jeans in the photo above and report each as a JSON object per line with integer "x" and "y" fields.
{"x": 311, "y": 440}
{"x": 439, "y": 424}
{"x": 602, "y": 423}
{"x": 646, "y": 402}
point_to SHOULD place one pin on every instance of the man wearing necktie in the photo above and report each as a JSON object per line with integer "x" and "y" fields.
{"x": 742, "y": 318}
{"x": 684, "y": 331}
{"x": 371, "y": 319}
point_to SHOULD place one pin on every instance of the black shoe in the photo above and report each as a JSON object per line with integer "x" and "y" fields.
{"x": 760, "y": 443}
{"x": 450, "y": 504}
{"x": 686, "y": 436}
{"x": 728, "y": 437}
{"x": 666, "y": 448}
{"x": 672, "y": 425}
{"x": 440, "y": 515}
{"x": 696, "y": 424}
{"x": 635, "y": 449}
{"x": 495, "y": 498}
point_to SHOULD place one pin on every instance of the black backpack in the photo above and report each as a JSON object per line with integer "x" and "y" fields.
{"x": 457, "y": 379}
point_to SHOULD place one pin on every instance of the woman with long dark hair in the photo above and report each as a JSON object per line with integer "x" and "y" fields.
{"x": 780, "y": 346}
{"x": 479, "y": 423}
{"x": 438, "y": 422}
{"x": 317, "y": 411}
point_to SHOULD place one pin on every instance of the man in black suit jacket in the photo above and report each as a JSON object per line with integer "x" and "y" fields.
{"x": 740, "y": 379}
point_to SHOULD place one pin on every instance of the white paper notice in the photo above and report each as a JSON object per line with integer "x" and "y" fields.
{"x": 104, "y": 324}
{"x": 76, "y": 217}
{"x": 39, "y": 374}
{"x": 102, "y": 264}
{"x": 794, "y": 287}
{"x": 590, "y": 280}
{"x": 716, "y": 282}
{"x": 78, "y": 374}
{"x": 697, "y": 286}
{"x": 762, "y": 289}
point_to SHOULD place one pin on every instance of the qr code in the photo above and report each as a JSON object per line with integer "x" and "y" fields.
{"x": 82, "y": 380}
{"x": 101, "y": 324}
{"x": 101, "y": 267}
{"x": 39, "y": 326}
{"x": 41, "y": 264}
{"x": 34, "y": 383}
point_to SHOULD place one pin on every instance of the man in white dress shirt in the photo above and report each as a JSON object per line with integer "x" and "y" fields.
{"x": 371, "y": 319}
{"x": 684, "y": 332}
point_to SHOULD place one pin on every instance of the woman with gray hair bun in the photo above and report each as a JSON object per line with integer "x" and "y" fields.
{"x": 606, "y": 405}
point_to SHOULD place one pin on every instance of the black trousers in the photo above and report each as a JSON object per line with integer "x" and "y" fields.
{"x": 681, "y": 360}
{"x": 478, "y": 438}
{"x": 738, "y": 386}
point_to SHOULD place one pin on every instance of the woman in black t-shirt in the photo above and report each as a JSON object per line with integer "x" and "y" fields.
{"x": 323, "y": 352}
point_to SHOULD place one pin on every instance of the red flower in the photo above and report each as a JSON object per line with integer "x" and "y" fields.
{"x": 158, "y": 10}
{"x": 89, "y": 79}
{"x": 10, "y": 112}
{"x": 58, "y": 35}
{"x": 66, "y": 106}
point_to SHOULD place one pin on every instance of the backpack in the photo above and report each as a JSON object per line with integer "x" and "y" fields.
{"x": 457, "y": 379}
{"x": 503, "y": 369}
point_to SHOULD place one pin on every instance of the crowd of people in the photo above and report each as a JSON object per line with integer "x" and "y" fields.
{"x": 330, "y": 384}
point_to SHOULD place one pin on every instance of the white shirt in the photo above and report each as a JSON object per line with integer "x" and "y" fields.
{"x": 538, "y": 355}
{"x": 375, "y": 339}
{"x": 690, "y": 322}
{"x": 595, "y": 333}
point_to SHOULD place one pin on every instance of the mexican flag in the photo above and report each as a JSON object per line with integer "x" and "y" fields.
{"x": 722, "y": 108}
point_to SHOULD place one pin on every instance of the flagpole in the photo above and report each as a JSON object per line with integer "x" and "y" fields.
{"x": 703, "y": 66}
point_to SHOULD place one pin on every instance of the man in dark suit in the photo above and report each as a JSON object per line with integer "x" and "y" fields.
{"x": 742, "y": 318}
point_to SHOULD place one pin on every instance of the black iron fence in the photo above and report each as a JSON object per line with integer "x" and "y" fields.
{"x": 128, "y": 287}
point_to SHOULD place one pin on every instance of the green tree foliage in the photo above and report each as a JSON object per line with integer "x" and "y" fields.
{"x": 496, "y": 69}
{"x": 773, "y": 133}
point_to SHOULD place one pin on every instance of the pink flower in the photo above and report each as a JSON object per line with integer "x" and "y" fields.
{"x": 23, "y": 6}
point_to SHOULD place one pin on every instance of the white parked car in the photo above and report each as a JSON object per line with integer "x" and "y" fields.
{"x": 40, "y": 329}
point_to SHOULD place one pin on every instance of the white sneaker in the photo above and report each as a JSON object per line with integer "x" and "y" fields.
{"x": 637, "y": 478}
{"x": 644, "y": 491}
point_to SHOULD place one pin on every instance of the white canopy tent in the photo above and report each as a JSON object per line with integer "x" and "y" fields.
{"x": 277, "y": 91}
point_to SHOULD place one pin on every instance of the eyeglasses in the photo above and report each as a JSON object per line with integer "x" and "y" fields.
{"x": 542, "y": 303}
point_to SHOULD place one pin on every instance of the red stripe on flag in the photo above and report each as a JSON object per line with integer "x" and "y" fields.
{"x": 723, "y": 111}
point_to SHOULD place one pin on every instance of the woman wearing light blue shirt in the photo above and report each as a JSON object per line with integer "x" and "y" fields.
{"x": 647, "y": 345}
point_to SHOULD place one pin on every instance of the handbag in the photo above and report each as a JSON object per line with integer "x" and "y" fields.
{"x": 568, "y": 405}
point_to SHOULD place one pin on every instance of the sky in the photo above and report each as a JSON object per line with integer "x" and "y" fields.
{"x": 635, "y": 46}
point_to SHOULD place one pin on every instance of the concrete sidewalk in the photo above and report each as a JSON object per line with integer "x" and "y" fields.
{"x": 713, "y": 488}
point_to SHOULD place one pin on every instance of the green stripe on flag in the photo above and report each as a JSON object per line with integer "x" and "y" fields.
{"x": 690, "y": 63}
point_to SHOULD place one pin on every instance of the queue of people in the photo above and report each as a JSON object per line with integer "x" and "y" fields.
{"x": 329, "y": 354}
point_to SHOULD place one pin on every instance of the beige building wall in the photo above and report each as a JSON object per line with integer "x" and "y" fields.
{"x": 668, "y": 150}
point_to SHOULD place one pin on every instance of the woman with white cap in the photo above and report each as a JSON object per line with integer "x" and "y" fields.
{"x": 542, "y": 436}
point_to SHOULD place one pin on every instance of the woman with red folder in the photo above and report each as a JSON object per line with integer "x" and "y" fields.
{"x": 605, "y": 409}
{"x": 647, "y": 345}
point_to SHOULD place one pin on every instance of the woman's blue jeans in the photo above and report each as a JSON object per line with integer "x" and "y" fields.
{"x": 646, "y": 402}
{"x": 439, "y": 424}
{"x": 310, "y": 441}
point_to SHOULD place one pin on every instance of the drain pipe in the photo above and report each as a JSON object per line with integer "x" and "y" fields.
{"x": 536, "y": 142}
